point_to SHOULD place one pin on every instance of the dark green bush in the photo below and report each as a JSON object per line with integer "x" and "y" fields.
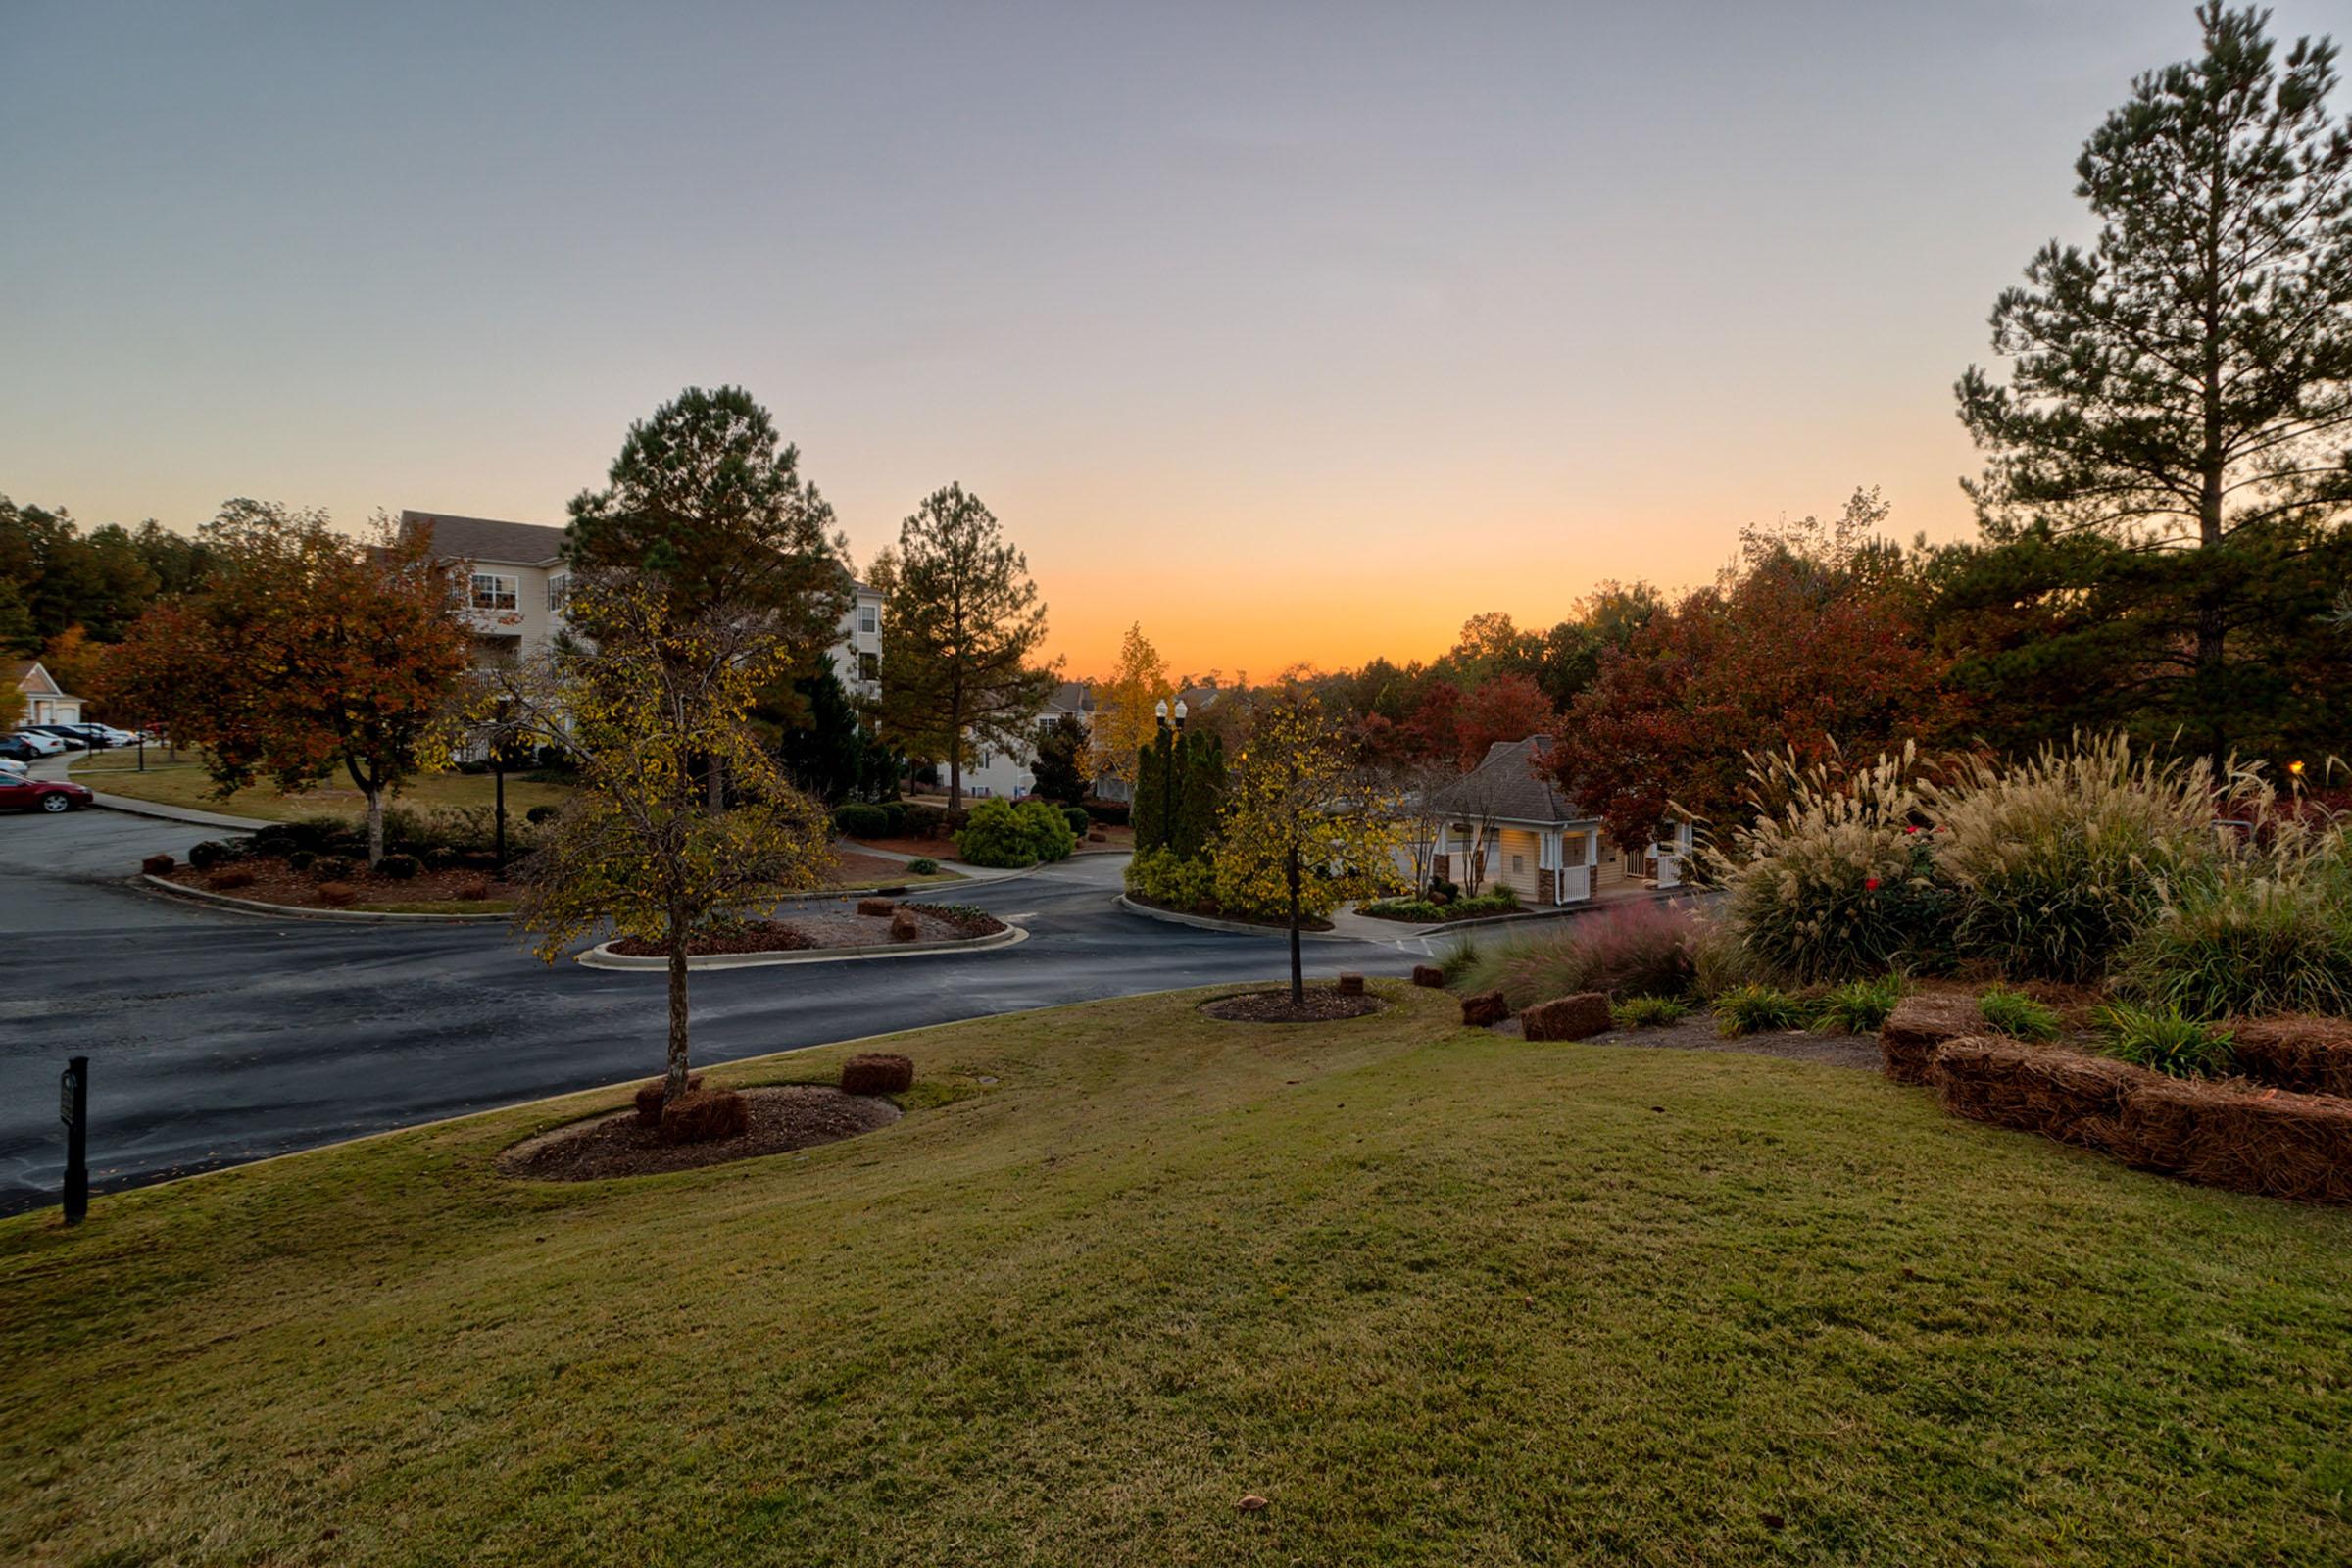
{"x": 205, "y": 853}
{"x": 996, "y": 835}
{"x": 1648, "y": 1013}
{"x": 1080, "y": 823}
{"x": 1050, "y": 831}
{"x": 399, "y": 867}
{"x": 894, "y": 816}
{"x": 538, "y": 816}
{"x": 2248, "y": 941}
{"x": 923, "y": 865}
{"x": 858, "y": 821}
{"x": 300, "y": 860}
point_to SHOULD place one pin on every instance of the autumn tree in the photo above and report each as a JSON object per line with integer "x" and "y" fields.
{"x": 2179, "y": 406}
{"x": 640, "y": 702}
{"x": 306, "y": 652}
{"x": 1816, "y": 640}
{"x": 1505, "y": 708}
{"x": 1126, "y": 706}
{"x": 1303, "y": 826}
{"x": 965, "y": 621}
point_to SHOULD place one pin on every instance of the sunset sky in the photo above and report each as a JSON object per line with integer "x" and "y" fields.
{"x": 1296, "y": 332}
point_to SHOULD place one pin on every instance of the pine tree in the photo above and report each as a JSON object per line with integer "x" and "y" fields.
{"x": 2184, "y": 388}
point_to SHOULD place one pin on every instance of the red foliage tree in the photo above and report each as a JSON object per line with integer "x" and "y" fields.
{"x": 1503, "y": 708}
{"x": 309, "y": 651}
{"x": 1791, "y": 654}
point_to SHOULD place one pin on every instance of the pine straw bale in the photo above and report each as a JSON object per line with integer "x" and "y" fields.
{"x": 1576, "y": 1017}
{"x": 2219, "y": 1133}
{"x": 2309, "y": 1055}
{"x": 1908, "y": 1039}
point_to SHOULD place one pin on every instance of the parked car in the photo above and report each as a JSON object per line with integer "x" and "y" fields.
{"x": 16, "y": 749}
{"x": 107, "y": 734}
{"x": 43, "y": 744}
{"x": 41, "y": 795}
{"x": 73, "y": 739}
{"x": 11, "y": 767}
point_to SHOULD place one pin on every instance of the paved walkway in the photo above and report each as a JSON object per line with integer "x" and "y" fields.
{"x": 59, "y": 766}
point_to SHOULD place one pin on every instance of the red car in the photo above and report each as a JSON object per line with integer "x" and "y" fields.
{"x": 40, "y": 794}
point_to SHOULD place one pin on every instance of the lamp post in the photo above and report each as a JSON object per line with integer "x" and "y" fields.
{"x": 1168, "y": 768}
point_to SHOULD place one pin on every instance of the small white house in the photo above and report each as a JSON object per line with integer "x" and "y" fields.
{"x": 45, "y": 700}
{"x": 1507, "y": 827}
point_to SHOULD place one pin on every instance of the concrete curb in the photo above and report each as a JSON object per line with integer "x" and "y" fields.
{"x": 293, "y": 911}
{"x": 1202, "y": 922}
{"x": 602, "y": 956}
{"x": 161, "y": 813}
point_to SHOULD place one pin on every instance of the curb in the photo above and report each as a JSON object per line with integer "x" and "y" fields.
{"x": 294, "y": 911}
{"x": 1203, "y": 922}
{"x": 155, "y": 810}
{"x": 601, "y": 957}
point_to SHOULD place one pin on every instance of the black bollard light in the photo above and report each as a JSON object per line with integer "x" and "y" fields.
{"x": 74, "y": 1109}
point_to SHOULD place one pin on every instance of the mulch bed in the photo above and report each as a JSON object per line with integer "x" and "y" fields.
{"x": 824, "y": 926}
{"x": 783, "y": 1118}
{"x": 275, "y": 882}
{"x": 853, "y": 870}
{"x": 1324, "y": 1004}
{"x": 1697, "y": 1033}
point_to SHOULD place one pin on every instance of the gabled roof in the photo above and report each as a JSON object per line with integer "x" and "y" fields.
{"x": 1073, "y": 697}
{"x": 29, "y": 676}
{"x": 1507, "y": 785}
{"x": 513, "y": 544}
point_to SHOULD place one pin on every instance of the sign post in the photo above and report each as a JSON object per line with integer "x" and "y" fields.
{"x": 74, "y": 1109}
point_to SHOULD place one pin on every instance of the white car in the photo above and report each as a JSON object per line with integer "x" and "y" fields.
{"x": 12, "y": 768}
{"x": 46, "y": 745}
{"x": 111, "y": 735}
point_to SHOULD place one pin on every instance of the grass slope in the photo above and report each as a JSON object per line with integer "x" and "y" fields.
{"x": 1441, "y": 1296}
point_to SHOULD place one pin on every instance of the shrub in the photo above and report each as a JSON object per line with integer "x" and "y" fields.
{"x": 1718, "y": 959}
{"x": 158, "y": 864}
{"x": 399, "y": 867}
{"x": 894, "y": 816}
{"x": 996, "y": 836}
{"x": 1756, "y": 1009}
{"x": 205, "y": 853}
{"x": 923, "y": 865}
{"x": 337, "y": 893}
{"x": 1833, "y": 880}
{"x": 858, "y": 821}
{"x": 1859, "y": 1006}
{"x": 1051, "y": 834}
{"x": 1111, "y": 813}
{"x": 1635, "y": 949}
{"x": 928, "y": 821}
{"x": 877, "y": 1072}
{"x": 2017, "y": 1015}
{"x": 1647, "y": 1013}
{"x": 301, "y": 860}
{"x": 1080, "y": 823}
{"x": 1505, "y": 902}
{"x": 540, "y": 815}
{"x": 228, "y": 878}
{"x": 2165, "y": 1038}
{"x": 1162, "y": 876}
{"x": 2271, "y": 934}
{"x": 334, "y": 868}
{"x": 2057, "y": 860}
{"x": 705, "y": 1116}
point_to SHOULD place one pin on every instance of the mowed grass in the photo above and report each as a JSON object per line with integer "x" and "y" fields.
{"x": 1440, "y": 1297}
{"x": 184, "y": 783}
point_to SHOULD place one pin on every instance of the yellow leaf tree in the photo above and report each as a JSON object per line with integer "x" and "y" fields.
{"x": 1303, "y": 827}
{"x": 1124, "y": 721}
{"x": 645, "y": 700}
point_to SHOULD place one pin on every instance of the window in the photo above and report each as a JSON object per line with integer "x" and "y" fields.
{"x": 869, "y": 667}
{"x": 868, "y": 619}
{"x": 559, "y": 590}
{"x": 493, "y": 590}
{"x": 1518, "y": 864}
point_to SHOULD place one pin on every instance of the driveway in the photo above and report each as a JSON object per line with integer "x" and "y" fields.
{"x": 215, "y": 1037}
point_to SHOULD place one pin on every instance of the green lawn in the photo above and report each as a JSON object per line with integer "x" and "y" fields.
{"x": 183, "y": 783}
{"x": 1440, "y": 1296}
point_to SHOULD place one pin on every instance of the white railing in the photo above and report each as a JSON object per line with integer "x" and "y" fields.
{"x": 1576, "y": 884}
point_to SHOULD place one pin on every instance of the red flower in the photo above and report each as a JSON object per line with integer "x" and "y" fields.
{"x": 1912, "y": 828}
{"x": 1870, "y": 881}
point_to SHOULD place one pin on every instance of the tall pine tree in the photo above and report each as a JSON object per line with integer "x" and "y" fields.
{"x": 2176, "y": 417}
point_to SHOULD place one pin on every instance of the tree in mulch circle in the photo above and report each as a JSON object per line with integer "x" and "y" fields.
{"x": 644, "y": 701}
{"x": 1303, "y": 826}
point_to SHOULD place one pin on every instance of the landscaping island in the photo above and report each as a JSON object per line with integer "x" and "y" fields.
{"x": 1436, "y": 1293}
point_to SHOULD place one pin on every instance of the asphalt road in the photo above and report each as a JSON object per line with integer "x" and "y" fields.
{"x": 215, "y": 1037}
